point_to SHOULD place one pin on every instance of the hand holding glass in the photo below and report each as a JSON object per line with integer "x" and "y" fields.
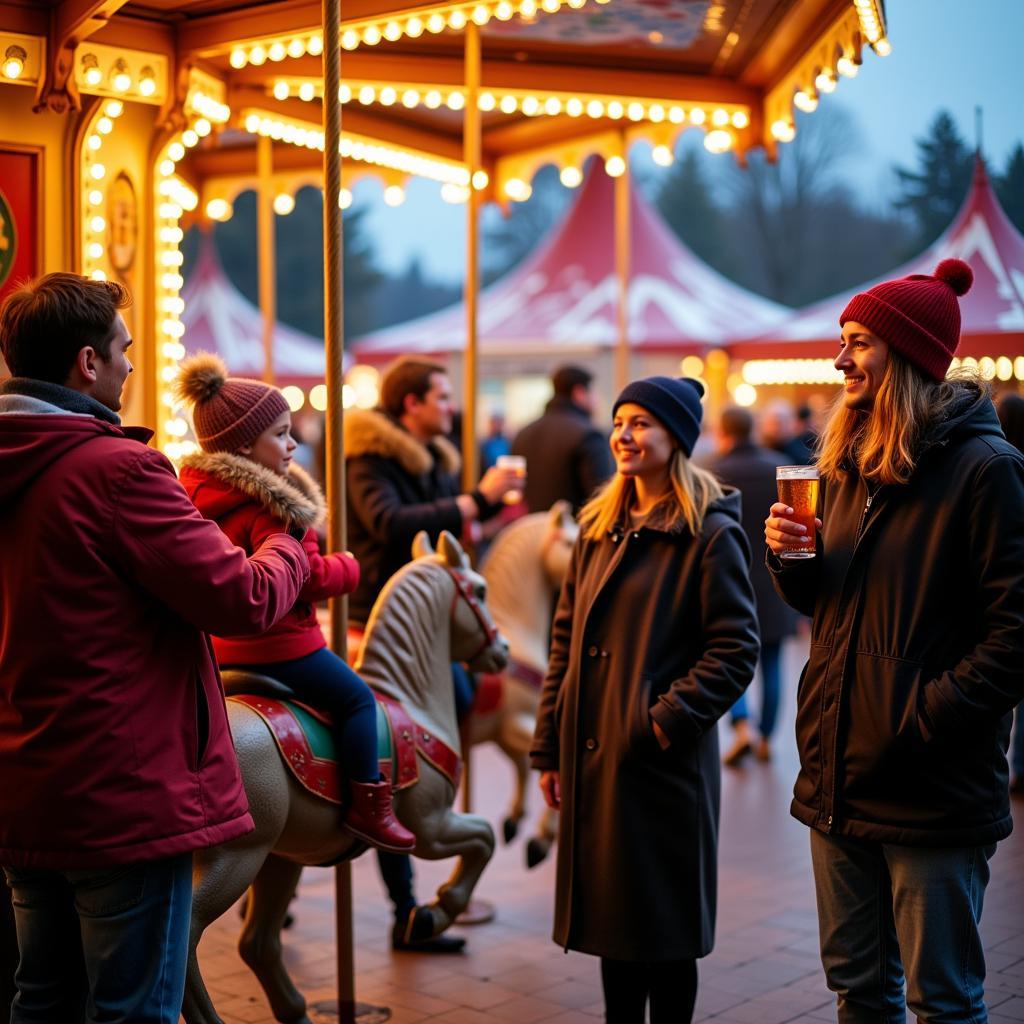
{"x": 798, "y": 489}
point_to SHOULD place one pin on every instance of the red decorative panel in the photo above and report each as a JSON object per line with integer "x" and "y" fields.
{"x": 19, "y": 217}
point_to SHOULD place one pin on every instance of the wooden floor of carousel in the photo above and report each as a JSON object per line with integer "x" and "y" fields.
{"x": 764, "y": 969}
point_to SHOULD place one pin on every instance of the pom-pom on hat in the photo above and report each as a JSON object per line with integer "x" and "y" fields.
{"x": 919, "y": 316}
{"x": 675, "y": 401}
{"x": 228, "y": 413}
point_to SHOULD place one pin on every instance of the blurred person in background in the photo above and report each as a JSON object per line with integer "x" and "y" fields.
{"x": 566, "y": 455}
{"x": 1010, "y": 409}
{"x": 496, "y": 443}
{"x": 749, "y": 468}
{"x": 779, "y": 431}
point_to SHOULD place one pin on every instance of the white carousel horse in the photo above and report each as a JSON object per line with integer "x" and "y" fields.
{"x": 524, "y": 569}
{"x": 430, "y": 613}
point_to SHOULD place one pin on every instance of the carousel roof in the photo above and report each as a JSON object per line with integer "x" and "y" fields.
{"x": 992, "y": 312}
{"x": 565, "y": 294}
{"x": 219, "y": 318}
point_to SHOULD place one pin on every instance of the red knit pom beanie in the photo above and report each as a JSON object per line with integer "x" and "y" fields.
{"x": 228, "y": 413}
{"x": 919, "y": 316}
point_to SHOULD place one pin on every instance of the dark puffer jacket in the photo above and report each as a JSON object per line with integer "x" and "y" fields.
{"x": 917, "y": 597}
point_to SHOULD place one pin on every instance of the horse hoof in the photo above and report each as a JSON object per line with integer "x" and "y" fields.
{"x": 536, "y": 852}
{"x": 420, "y": 925}
{"x": 509, "y": 829}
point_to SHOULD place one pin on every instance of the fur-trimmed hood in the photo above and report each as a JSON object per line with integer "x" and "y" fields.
{"x": 372, "y": 432}
{"x": 296, "y": 499}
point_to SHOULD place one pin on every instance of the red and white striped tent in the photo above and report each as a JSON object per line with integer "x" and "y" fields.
{"x": 563, "y": 298}
{"x": 992, "y": 311}
{"x": 219, "y": 318}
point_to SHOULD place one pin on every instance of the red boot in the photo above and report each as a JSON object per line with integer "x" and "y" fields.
{"x": 371, "y": 818}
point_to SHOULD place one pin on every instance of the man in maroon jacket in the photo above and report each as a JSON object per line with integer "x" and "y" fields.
{"x": 114, "y": 745}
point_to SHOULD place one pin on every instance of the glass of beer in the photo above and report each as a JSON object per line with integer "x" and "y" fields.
{"x": 517, "y": 463}
{"x": 798, "y": 488}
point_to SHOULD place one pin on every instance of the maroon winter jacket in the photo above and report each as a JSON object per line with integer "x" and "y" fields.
{"x": 114, "y": 742}
{"x": 250, "y": 502}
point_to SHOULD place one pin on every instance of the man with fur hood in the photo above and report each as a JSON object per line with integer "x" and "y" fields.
{"x": 903, "y": 711}
{"x": 402, "y": 477}
{"x": 115, "y": 753}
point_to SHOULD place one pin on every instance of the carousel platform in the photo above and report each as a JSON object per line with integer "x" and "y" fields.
{"x": 764, "y": 969}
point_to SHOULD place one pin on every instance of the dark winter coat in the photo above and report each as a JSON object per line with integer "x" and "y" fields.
{"x": 917, "y": 597}
{"x": 650, "y": 624}
{"x": 114, "y": 742}
{"x": 567, "y": 458}
{"x": 395, "y": 487}
{"x": 751, "y": 470}
{"x": 249, "y": 503}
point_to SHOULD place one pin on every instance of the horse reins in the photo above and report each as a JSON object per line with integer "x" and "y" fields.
{"x": 464, "y": 589}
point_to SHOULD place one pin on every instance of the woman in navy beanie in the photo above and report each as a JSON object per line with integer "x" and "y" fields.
{"x": 654, "y": 639}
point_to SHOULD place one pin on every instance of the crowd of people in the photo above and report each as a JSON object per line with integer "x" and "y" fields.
{"x": 909, "y": 578}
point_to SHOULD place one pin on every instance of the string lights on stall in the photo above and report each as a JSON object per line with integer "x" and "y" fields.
{"x": 95, "y": 179}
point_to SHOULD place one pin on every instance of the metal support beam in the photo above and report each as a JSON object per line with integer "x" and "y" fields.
{"x": 265, "y": 254}
{"x": 472, "y": 159}
{"x": 622, "y": 271}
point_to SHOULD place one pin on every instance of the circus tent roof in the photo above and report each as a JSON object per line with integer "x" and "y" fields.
{"x": 219, "y": 318}
{"x": 992, "y": 311}
{"x": 564, "y": 296}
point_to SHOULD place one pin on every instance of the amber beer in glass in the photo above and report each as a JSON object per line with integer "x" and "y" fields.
{"x": 798, "y": 488}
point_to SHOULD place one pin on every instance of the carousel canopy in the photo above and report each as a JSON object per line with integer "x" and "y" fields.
{"x": 219, "y": 318}
{"x": 992, "y": 312}
{"x": 565, "y": 295}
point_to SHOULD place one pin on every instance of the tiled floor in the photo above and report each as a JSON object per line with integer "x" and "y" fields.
{"x": 764, "y": 969}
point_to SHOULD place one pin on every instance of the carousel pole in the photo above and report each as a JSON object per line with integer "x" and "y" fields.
{"x": 265, "y": 250}
{"x": 334, "y": 347}
{"x": 622, "y": 261}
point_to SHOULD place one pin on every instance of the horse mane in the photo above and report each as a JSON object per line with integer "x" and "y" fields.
{"x": 517, "y": 585}
{"x": 407, "y": 643}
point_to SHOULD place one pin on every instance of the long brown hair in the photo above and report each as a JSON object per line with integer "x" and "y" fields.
{"x": 684, "y": 504}
{"x": 885, "y": 445}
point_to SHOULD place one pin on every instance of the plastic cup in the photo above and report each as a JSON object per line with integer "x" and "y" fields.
{"x": 517, "y": 463}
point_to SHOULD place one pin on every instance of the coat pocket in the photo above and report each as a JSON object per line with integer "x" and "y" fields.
{"x": 201, "y": 736}
{"x": 883, "y": 734}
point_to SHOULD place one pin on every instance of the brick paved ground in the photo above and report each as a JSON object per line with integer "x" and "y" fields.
{"x": 764, "y": 969}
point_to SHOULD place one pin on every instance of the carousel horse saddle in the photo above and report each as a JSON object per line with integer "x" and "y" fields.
{"x": 303, "y": 736}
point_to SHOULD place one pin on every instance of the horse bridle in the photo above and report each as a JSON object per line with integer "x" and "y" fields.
{"x": 464, "y": 589}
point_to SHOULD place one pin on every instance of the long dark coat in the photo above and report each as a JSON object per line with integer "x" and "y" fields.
{"x": 650, "y": 624}
{"x": 917, "y": 642}
{"x": 751, "y": 470}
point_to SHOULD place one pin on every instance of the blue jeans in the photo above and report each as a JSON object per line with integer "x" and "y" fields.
{"x": 886, "y": 910}
{"x": 771, "y": 681}
{"x": 396, "y": 868}
{"x": 106, "y": 944}
{"x": 325, "y": 681}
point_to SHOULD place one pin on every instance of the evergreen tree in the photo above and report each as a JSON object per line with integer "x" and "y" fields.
{"x": 685, "y": 201}
{"x": 1010, "y": 187}
{"x": 932, "y": 192}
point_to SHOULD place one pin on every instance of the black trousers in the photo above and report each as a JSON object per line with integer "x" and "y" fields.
{"x": 669, "y": 985}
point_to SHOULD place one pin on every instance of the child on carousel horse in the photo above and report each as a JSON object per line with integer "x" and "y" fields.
{"x": 245, "y": 481}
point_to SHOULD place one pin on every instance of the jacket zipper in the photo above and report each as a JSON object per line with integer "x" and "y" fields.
{"x": 835, "y": 742}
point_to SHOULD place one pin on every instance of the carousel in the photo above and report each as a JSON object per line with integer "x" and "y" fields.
{"x": 127, "y": 121}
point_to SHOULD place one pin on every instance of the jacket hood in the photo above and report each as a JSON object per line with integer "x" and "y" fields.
{"x": 972, "y": 415}
{"x": 728, "y": 504}
{"x": 30, "y": 442}
{"x": 372, "y": 432}
{"x": 230, "y": 481}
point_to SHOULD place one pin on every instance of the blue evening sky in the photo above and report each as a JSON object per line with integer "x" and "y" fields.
{"x": 947, "y": 54}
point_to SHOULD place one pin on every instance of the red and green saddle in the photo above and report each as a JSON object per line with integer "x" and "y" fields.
{"x": 304, "y": 738}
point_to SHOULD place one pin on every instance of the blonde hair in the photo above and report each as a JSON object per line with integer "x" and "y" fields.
{"x": 885, "y": 445}
{"x": 685, "y": 503}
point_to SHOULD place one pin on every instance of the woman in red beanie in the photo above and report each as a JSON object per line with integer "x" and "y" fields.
{"x": 903, "y": 710}
{"x": 246, "y": 482}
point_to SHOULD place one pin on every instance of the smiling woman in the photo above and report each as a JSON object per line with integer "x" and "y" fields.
{"x": 653, "y": 641}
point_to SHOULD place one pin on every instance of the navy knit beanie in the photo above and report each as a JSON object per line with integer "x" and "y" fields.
{"x": 674, "y": 400}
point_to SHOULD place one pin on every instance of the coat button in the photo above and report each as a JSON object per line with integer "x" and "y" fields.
{"x": 604, "y": 654}
{"x": 591, "y": 744}
{"x": 593, "y": 651}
